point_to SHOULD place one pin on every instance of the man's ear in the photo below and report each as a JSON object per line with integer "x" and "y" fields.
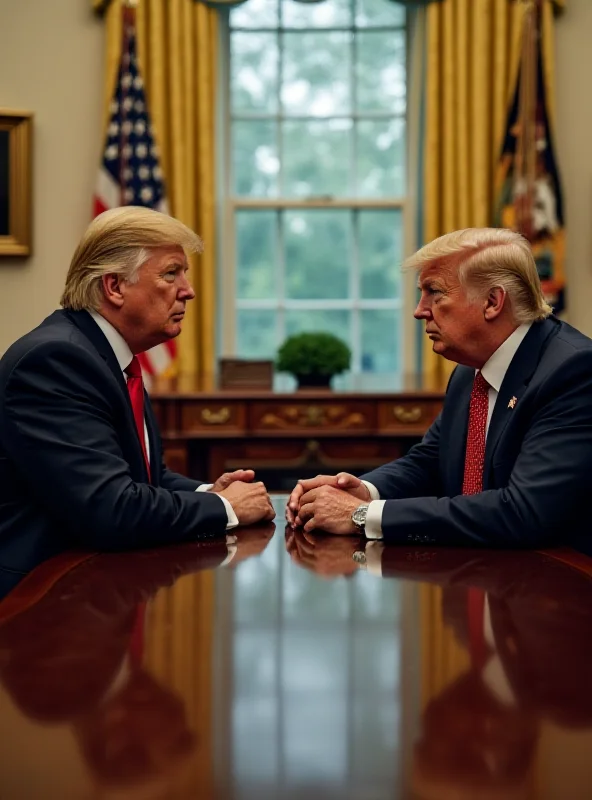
{"x": 494, "y": 302}
{"x": 112, "y": 289}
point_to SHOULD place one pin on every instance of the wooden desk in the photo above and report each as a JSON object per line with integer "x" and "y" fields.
{"x": 290, "y": 435}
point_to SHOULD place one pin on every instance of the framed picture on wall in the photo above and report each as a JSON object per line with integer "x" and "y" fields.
{"x": 15, "y": 182}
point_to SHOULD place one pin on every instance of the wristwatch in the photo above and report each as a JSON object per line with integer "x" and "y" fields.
{"x": 360, "y": 559}
{"x": 359, "y": 516}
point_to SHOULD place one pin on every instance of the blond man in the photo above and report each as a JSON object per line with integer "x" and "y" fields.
{"x": 80, "y": 452}
{"x": 508, "y": 461}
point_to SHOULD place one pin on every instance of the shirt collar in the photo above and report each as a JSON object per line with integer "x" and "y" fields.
{"x": 118, "y": 344}
{"x": 496, "y": 367}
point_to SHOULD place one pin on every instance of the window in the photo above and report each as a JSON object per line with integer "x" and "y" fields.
{"x": 315, "y": 186}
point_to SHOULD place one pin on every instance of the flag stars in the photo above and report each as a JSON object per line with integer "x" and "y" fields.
{"x": 131, "y": 157}
{"x": 146, "y": 194}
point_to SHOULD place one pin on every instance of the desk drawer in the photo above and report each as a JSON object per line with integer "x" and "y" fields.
{"x": 407, "y": 416}
{"x": 199, "y": 416}
{"x": 308, "y": 416}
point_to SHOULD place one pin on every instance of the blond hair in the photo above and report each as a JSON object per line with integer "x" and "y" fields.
{"x": 488, "y": 257}
{"x": 119, "y": 241}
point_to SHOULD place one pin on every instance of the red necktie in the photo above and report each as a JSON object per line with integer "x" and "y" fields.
{"x": 475, "y": 453}
{"x": 135, "y": 388}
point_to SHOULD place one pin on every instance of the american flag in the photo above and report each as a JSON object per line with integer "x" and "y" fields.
{"x": 130, "y": 173}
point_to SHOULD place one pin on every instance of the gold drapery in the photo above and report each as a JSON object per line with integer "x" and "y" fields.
{"x": 177, "y": 50}
{"x": 179, "y": 653}
{"x": 443, "y": 658}
{"x": 473, "y": 54}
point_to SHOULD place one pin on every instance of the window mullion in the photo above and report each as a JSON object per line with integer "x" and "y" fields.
{"x": 352, "y": 206}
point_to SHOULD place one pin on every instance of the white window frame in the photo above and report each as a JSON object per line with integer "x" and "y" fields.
{"x": 228, "y": 204}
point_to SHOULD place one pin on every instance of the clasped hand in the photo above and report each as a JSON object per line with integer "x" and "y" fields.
{"x": 326, "y": 502}
{"x": 248, "y": 498}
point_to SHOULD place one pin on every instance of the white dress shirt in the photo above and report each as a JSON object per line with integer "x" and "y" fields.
{"x": 124, "y": 355}
{"x": 494, "y": 371}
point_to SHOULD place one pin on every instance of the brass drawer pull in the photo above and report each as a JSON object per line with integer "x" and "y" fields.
{"x": 215, "y": 417}
{"x": 407, "y": 416}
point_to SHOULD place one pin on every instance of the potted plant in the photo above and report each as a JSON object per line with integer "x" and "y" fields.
{"x": 313, "y": 358}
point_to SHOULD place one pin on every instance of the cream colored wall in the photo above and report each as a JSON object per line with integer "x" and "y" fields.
{"x": 574, "y": 145}
{"x": 51, "y": 56}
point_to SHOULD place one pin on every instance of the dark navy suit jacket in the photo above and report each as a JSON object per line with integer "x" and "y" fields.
{"x": 537, "y": 481}
{"x": 70, "y": 457}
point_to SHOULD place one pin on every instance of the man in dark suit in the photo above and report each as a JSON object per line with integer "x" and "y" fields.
{"x": 78, "y": 439}
{"x": 508, "y": 461}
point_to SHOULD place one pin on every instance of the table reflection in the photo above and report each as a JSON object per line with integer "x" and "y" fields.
{"x": 74, "y": 652}
{"x": 507, "y": 655}
{"x": 296, "y": 666}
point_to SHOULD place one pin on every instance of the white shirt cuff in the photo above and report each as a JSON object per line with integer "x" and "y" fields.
{"x": 374, "y": 493}
{"x": 373, "y": 553}
{"x": 373, "y": 528}
{"x": 232, "y": 518}
{"x": 232, "y": 548}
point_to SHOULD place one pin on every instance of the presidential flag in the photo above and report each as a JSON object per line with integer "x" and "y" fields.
{"x": 527, "y": 182}
{"x": 130, "y": 173}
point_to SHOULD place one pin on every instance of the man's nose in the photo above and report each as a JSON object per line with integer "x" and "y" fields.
{"x": 421, "y": 311}
{"x": 186, "y": 291}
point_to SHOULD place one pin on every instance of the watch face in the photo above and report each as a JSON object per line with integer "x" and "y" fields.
{"x": 359, "y": 515}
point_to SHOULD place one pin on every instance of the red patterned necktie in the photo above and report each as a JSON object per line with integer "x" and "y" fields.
{"x": 475, "y": 453}
{"x": 135, "y": 388}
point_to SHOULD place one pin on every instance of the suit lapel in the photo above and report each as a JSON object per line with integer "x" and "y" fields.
{"x": 153, "y": 440}
{"x": 458, "y": 400}
{"x": 515, "y": 383}
{"x": 84, "y": 321}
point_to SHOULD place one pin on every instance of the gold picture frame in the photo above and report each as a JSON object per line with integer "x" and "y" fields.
{"x": 16, "y": 140}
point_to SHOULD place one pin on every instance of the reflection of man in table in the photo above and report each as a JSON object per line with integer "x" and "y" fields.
{"x": 525, "y": 621}
{"x": 71, "y": 650}
{"x": 4, "y": 183}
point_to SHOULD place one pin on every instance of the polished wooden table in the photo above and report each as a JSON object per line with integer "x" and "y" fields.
{"x": 286, "y": 436}
{"x": 285, "y": 666}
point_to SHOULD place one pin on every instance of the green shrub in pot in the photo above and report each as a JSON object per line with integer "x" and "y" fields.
{"x": 313, "y": 358}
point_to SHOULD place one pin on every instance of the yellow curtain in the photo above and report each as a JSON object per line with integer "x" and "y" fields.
{"x": 179, "y": 653}
{"x": 177, "y": 49}
{"x": 473, "y": 53}
{"x": 443, "y": 659}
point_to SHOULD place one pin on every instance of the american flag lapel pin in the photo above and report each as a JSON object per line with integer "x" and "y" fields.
{"x": 513, "y": 401}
